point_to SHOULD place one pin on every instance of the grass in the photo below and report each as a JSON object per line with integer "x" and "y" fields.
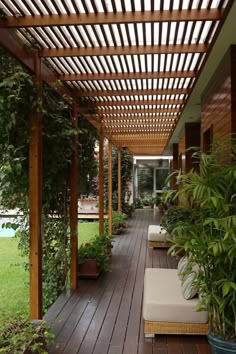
{"x": 86, "y": 231}
{"x": 14, "y": 294}
{"x": 14, "y": 287}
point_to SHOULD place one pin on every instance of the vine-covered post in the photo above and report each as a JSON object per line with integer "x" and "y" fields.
{"x": 110, "y": 188}
{"x": 119, "y": 180}
{"x": 101, "y": 184}
{"x": 35, "y": 201}
{"x": 74, "y": 201}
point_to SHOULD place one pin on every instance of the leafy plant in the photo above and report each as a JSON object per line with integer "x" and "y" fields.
{"x": 18, "y": 334}
{"x": 119, "y": 220}
{"x": 176, "y": 216}
{"x": 18, "y": 97}
{"x": 211, "y": 240}
{"x": 98, "y": 248}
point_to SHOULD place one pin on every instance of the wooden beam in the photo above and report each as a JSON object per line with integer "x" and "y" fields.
{"x": 10, "y": 41}
{"x": 126, "y": 50}
{"x": 119, "y": 181}
{"x": 137, "y": 102}
{"x": 112, "y": 112}
{"x": 35, "y": 202}
{"x": 110, "y": 188}
{"x": 127, "y": 76}
{"x": 138, "y": 130}
{"x": 133, "y": 92}
{"x": 123, "y": 120}
{"x": 113, "y": 18}
{"x": 101, "y": 184}
{"x": 74, "y": 202}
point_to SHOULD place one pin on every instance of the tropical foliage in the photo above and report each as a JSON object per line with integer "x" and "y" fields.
{"x": 211, "y": 239}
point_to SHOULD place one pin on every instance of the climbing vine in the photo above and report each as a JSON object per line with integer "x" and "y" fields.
{"x": 18, "y": 98}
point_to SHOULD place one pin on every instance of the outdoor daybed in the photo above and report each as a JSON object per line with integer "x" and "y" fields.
{"x": 158, "y": 237}
{"x": 164, "y": 308}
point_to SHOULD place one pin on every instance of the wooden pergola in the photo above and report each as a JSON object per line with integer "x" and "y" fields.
{"x": 128, "y": 66}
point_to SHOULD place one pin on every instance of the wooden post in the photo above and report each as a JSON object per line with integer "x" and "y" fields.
{"x": 175, "y": 163}
{"x": 74, "y": 203}
{"x": 35, "y": 203}
{"x": 101, "y": 185}
{"x": 119, "y": 180}
{"x": 110, "y": 188}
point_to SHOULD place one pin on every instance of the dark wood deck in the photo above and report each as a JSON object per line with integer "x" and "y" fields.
{"x": 105, "y": 315}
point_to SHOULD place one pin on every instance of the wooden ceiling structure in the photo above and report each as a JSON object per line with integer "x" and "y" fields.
{"x": 132, "y": 64}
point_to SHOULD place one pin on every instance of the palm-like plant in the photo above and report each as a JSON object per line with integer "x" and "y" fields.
{"x": 211, "y": 240}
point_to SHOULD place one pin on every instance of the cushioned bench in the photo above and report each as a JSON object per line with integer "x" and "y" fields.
{"x": 158, "y": 237}
{"x": 164, "y": 308}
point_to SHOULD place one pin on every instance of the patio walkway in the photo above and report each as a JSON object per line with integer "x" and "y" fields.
{"x": 105, "y": 315}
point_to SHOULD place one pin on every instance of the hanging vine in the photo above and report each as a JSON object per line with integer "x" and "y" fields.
{"x": 18, "y": 97}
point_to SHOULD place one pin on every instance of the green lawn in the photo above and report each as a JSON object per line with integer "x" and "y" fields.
{"x": 14, "y": 295}
{"x": 14, "y": 289}
{"x": 86, "y": 230}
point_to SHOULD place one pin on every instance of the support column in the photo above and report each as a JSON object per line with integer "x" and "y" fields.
{"x": 74, "y": 202}
{"x": 35, "y": 202}
{"x": 192, "y": 138}
{"x": 175, "y": 162}
{"x": 101, "y": 184}
{"x": 110, "y": 188}
{"x": 119, "y": 181}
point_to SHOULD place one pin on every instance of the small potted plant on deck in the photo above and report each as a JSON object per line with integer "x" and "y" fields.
{"x": 211, "y": 241}
{"x": 94, "y": 256}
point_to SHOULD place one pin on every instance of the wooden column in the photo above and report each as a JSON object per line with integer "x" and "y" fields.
{"x": 101, "y": 184}
{"x": 192, "y": 138}
{"x": 119, "y": 180}
{"x": 35, "y": 203}
{"x": 110, "y": 188}
{"x": 175, "y": 162}
{"x": 74, "y": 203}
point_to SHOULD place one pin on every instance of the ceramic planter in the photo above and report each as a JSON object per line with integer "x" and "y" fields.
{"x": 88, "y": 269}
{"x": 220, "y": 346}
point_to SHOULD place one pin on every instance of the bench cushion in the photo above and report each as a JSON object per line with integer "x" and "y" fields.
{"x": 156, "y": 233}
{"x": 163, "y": 299}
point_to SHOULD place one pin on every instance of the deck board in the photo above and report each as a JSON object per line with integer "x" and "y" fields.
{"x": 104, "y": 316}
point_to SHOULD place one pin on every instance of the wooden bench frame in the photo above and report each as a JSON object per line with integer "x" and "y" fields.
{"x": 159, "y": 244}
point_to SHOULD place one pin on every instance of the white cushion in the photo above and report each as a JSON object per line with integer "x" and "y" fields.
{"x": 156, "y": 233}
{"x": 163, "y": 299}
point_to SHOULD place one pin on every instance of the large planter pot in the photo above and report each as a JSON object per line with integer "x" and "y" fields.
{"x": 88, "y": 269}
{"x": 220, "y": 346}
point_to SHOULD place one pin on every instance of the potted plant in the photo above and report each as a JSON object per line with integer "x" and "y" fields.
{"x": 20, "y": 335}
{"x": 211, "y": 242}
{"x": 94, "y": 256}
{"x": 119, "y": 221}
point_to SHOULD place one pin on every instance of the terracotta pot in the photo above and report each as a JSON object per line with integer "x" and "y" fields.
{"x": 89, "y": 269}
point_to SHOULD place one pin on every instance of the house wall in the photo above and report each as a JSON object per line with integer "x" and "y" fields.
{"x": 219, "y": 100}
{"x": 191, "y": 138}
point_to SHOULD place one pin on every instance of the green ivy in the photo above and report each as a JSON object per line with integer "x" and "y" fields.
{"x": 18, "y": 97}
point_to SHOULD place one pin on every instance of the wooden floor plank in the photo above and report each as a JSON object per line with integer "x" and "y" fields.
{"x": 105, "y": 315}
{"x": 105, "y": 334}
